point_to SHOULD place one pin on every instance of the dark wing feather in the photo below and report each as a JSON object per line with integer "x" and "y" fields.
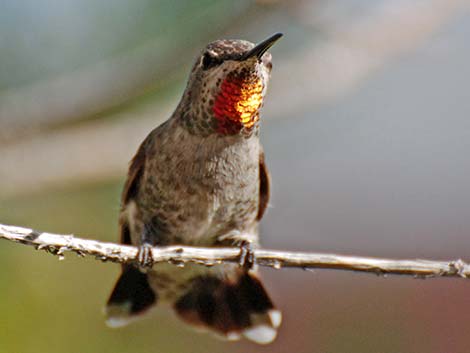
{"x": 264, "y": 186}
{"x": 136, "y": 171}
{"x": 131, "y": 188}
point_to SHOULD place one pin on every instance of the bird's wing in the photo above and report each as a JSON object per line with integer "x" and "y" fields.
{"x": 134, "y": 176}
{"x": 264, "y": 186}
{"x": 131, "y": 187}
{"x": 132, "y": 295}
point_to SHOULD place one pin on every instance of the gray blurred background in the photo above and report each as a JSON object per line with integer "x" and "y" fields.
{"x": 366, "y": 130}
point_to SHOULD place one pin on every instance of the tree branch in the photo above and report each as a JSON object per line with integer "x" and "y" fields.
{"x": 57, "y": 244}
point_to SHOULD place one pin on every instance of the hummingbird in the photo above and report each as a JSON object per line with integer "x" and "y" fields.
{"x": 200, "y": 179}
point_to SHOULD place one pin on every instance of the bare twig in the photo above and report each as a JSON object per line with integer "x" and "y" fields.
{"x": 179, "y": 255}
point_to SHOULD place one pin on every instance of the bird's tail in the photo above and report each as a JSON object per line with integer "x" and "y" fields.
{"x": 131, "y": 297}
{"x": 232, "y": 307}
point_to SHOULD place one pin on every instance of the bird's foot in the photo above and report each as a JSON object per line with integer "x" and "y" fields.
{"x": 144, "y": 256}
{"x": 247, "y": 255}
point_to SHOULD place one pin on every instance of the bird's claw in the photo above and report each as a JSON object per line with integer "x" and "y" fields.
{"x": 144, "y": 256}
{"x": 247, "y": 255}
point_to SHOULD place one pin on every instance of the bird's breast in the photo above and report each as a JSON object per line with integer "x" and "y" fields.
{"x": 201, "y": 188}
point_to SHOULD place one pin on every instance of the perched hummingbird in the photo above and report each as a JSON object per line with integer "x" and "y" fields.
{"x": 200, "y": 179}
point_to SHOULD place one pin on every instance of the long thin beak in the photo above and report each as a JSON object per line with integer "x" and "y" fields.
{"x": 262, "y": 47}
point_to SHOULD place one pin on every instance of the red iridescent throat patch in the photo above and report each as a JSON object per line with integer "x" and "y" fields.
{"x": 237, "y": 104}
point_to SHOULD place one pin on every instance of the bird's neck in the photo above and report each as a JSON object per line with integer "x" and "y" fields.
{"x": 231, "y": 108}
{"x": 237, "y": 103}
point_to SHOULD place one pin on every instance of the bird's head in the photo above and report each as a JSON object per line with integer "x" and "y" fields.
{"x": 227, "y": 86}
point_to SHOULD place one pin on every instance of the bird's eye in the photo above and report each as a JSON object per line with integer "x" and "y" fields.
{"x": 209, "y": 61}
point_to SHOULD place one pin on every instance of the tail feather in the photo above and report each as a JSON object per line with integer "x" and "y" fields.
{"x": 232, "y": 308}
{"x": 131, "y": 297}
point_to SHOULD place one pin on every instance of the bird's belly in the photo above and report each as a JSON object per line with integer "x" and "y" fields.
{"x": 212, "y": 214}
{"x": 197, "y": 218}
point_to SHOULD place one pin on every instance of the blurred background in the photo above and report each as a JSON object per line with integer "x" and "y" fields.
{"x": 367, "y": 135}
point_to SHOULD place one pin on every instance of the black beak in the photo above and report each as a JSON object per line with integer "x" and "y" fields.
{"x": 262, "y": 47}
